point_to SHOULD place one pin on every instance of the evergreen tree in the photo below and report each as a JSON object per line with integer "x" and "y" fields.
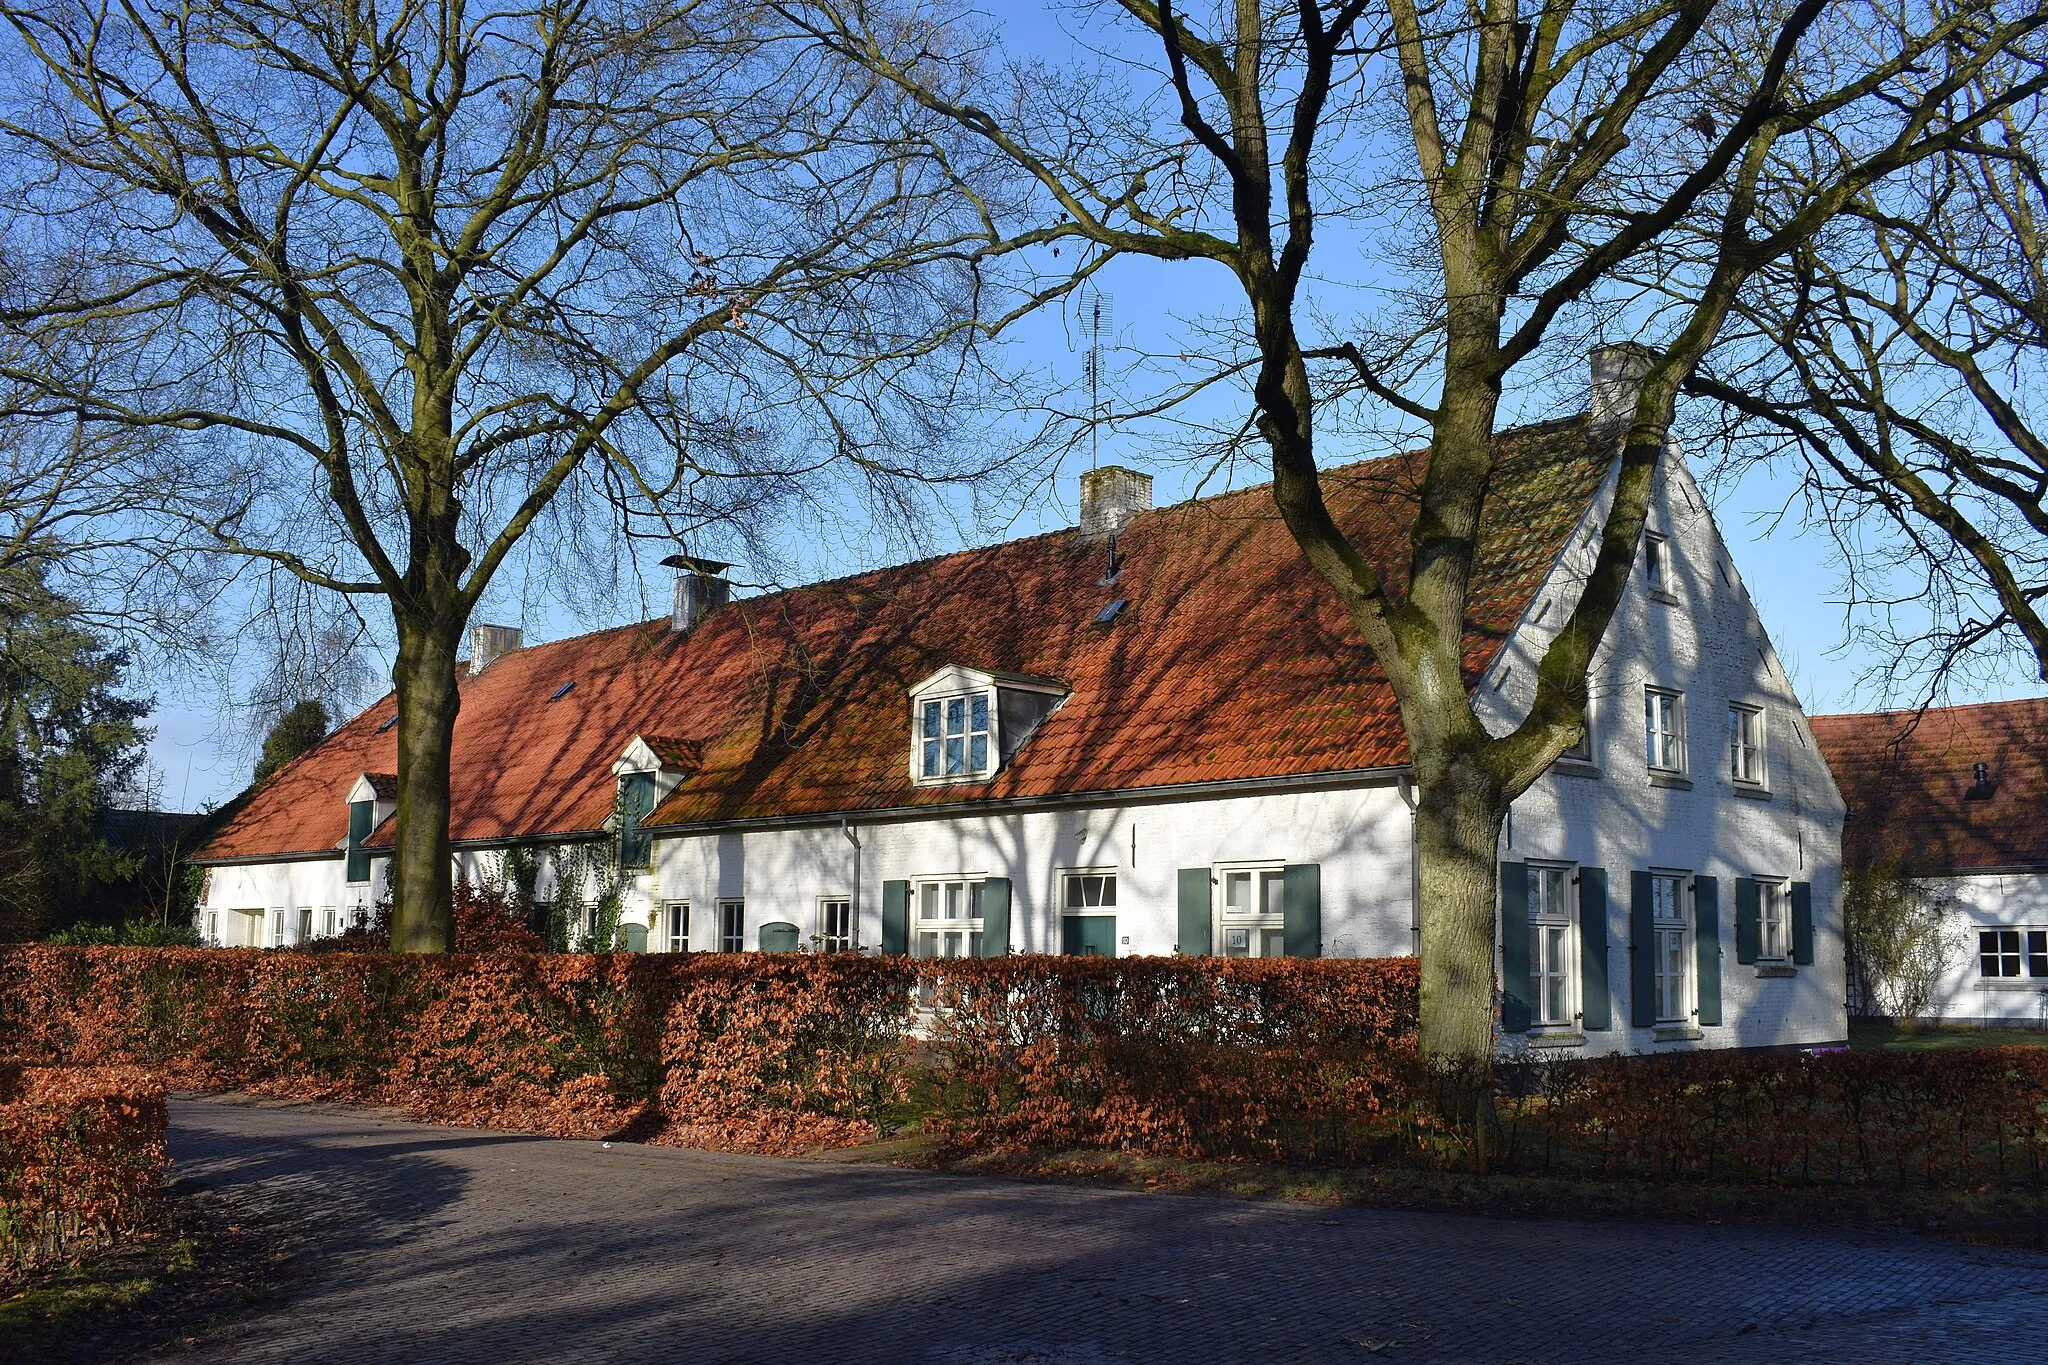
{"x": 68, "y": 741}
{"x": 296, "y": 731}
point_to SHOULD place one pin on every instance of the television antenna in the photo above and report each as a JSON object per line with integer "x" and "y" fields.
{"x": 1101, "y": 318}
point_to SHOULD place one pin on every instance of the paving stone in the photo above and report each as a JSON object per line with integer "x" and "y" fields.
{"x": 441, "y": 1244}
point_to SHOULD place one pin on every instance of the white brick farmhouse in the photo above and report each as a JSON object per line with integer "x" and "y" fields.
{"x": 1154, "y": 734}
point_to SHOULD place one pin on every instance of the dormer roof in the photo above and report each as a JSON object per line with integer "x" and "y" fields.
{"x": 1231, "y": 661}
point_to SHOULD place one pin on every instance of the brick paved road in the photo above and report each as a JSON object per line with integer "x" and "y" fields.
{"x": 441, "y": 1244}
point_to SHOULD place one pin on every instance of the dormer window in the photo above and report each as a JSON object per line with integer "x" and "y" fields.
{"x": 955, "y": 736}
{"x": 965, "y": 724}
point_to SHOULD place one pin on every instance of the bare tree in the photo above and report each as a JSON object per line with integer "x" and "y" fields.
{"x": 1894, "y": 360}
{"x": 421, "y": 285}
{"x": 1537, "y": 169}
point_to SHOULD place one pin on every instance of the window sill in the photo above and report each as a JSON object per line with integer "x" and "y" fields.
{"x": 1776, "y": 970}
{"x": 956, "y": 780}
{"x": 1675, "y": 781}
{"x": 1668, "y": 598}
{"x": 2013, "y": 983}
{"x": 1677, "y": 1033}
{"x": 1752, "y": 791}
{"x": 1575, "y": 767}
{"x": 1555, "y": 1039}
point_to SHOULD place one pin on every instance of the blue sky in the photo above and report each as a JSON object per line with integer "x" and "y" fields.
{"x": 203, "y": 753}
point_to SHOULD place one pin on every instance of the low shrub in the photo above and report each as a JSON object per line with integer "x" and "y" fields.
{"x": 81, "y": 1159}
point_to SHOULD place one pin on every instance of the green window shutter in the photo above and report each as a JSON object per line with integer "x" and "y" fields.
{"x": 1642, "y": 952}
{"x": 1598, "y": 1010}
{"x": 1749, "y": 923}
{"x": 1194, "y": 912}
{"x": 1802, "y": 923}
{"x": 361, "y": 820}
{"x": 1301, "y": 903}
{"x": 636, "y": 803}
{"x": 896, "y": 917}
{"x": 1706, "y": 904}
{"x": 995, "y": 917}
{"x": 1516, "y": 1007}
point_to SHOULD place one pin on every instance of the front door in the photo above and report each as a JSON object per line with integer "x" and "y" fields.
{"x": 1088, "y": 935}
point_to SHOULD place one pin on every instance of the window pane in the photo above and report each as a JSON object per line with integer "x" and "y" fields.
{"x": 956, "y": 899}
{"x": 931, "y": 720}
{"x": 1237, "y": 943}
{"x": 978, "y": 711}
{"x": 956, "y": 756}
{"x": 1237, "y": 892}
{"x": 2037, "y": 952}
{"x": 977, "y": 754}
{"x": 1275, "y": 944}
{"x": 928, "y": 901}
{"x": 931, "y": 758}
{"x": 1109, "y": 894}
{"x": 974, "y": 900}
{"x": 956, "y": 715}
{"x": 952, "y": 943}
{"x": 1274, "y": 885}
{"x": 1074, "y": 893}
{"x": 927, "y": 945}
{"x": 974, "y": 943}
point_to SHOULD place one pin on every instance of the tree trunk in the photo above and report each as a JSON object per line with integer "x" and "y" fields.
{"x": 422, "y": 919}
{"x": 1458, "y": 817}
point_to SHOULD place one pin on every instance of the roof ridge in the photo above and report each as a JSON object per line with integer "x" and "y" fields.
{"x": 1930, "y": 710}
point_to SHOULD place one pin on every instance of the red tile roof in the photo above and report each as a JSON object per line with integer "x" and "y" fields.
{"x": 1909, "y": 778}
{"x": 1232, "y": 660}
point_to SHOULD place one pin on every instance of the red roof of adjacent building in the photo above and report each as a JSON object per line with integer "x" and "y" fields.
{"x": 1232, "y": 660}
{"x": 1911, "y": 783}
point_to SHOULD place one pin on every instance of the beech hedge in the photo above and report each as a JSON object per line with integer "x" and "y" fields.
{"x": 81, "y": 1159}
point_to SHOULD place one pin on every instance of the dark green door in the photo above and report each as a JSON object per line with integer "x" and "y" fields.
{"x": 1088, "y": 935}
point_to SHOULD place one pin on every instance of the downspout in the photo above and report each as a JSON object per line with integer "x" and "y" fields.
{"x": 853, "y": 910}
{"x": 1405, "y": 785}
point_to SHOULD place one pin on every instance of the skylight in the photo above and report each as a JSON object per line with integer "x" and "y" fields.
{"x": 563, "y": 690}
{"x": 1111, "y": 612}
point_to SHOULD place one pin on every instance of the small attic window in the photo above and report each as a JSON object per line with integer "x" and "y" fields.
{"x": 389, "y": 721}
{"x": 953, "y": 736}
{"x": 1111, "y": 612}
{"x": 562, "y": 691}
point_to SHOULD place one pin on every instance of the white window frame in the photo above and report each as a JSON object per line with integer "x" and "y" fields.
{"x": 732, "y": 925}
{"x": 1264, "y": 928}
{"x": 276, "y": 920}
{"x": 943, "y": 896}
{"x": 921, "y": 744}
{"x": 330, "y": 921}
{"x": 1553, "y": 944}
{"x": 2022, "y": 953}
{"x": 1661, "y": 738}
{"x": 673, "y": 927}
{"x": 1583, "y": 751}
{"x": 1657, "y": 565}
{"x": 1773, "y": 920}
{"x": 1075, "y": 880}
{"x": 828, "y": 941}
{"x": 1748, "y": 756}
{"x": 213, "y": 928}
{"x": 1666, "y": 931}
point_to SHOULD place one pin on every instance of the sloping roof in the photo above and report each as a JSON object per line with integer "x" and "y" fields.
{"x": 1909, "y": 779}
{"x": 1233, "y": 660}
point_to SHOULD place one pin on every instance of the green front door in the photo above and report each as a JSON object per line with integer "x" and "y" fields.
{"x": 1088, "y": 935}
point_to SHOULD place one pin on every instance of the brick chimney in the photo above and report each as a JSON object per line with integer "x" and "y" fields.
{"x": 488, "y": 644}
{"x": 1111, "y": 496}
{"x": 701, "y": 588}
{"x": 1616, "y": 377}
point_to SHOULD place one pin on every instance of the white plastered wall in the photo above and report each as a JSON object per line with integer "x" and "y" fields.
{"x": 1709, "y": 644}
{"x": 2010, "y": 900}
{"x": 241, "y": 900}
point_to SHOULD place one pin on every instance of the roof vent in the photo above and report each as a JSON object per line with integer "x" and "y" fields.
{"x": 1110, "y": 497}
{"x": 1617, "y": 377}
{"x": 701, "y": 588}
{"x": 1981, "y": 785}
{"x": 488, "y": 644}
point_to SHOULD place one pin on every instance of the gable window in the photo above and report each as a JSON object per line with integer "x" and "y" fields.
{"x": 1551, "y": 974}
{"x": 1664, "y": 729}
{"x": 675, "y": 926}
{"x": 1670, "y": 927}
{"x": 361, "y": 820}
{"x": 1254, "y": 912}
{"x": 2007, "y": 954}
{"x": 948, "y": 919}
{"x": 1746, "y": 745}
{"x": 732, "y": 926}
{"x": 1656, "y": 565}
{"x": 835, "y": 925}
{"x": 953, "y": 736}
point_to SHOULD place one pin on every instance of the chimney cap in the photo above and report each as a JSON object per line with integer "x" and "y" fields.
{"x": 695, "y": 565}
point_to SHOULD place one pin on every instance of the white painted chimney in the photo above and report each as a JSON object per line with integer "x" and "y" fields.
{"x": 1110, "y": 497}
{"x": 488, "y": 644}
{"x": 701, "y": 588}
{"x": 1617, "y": 377}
